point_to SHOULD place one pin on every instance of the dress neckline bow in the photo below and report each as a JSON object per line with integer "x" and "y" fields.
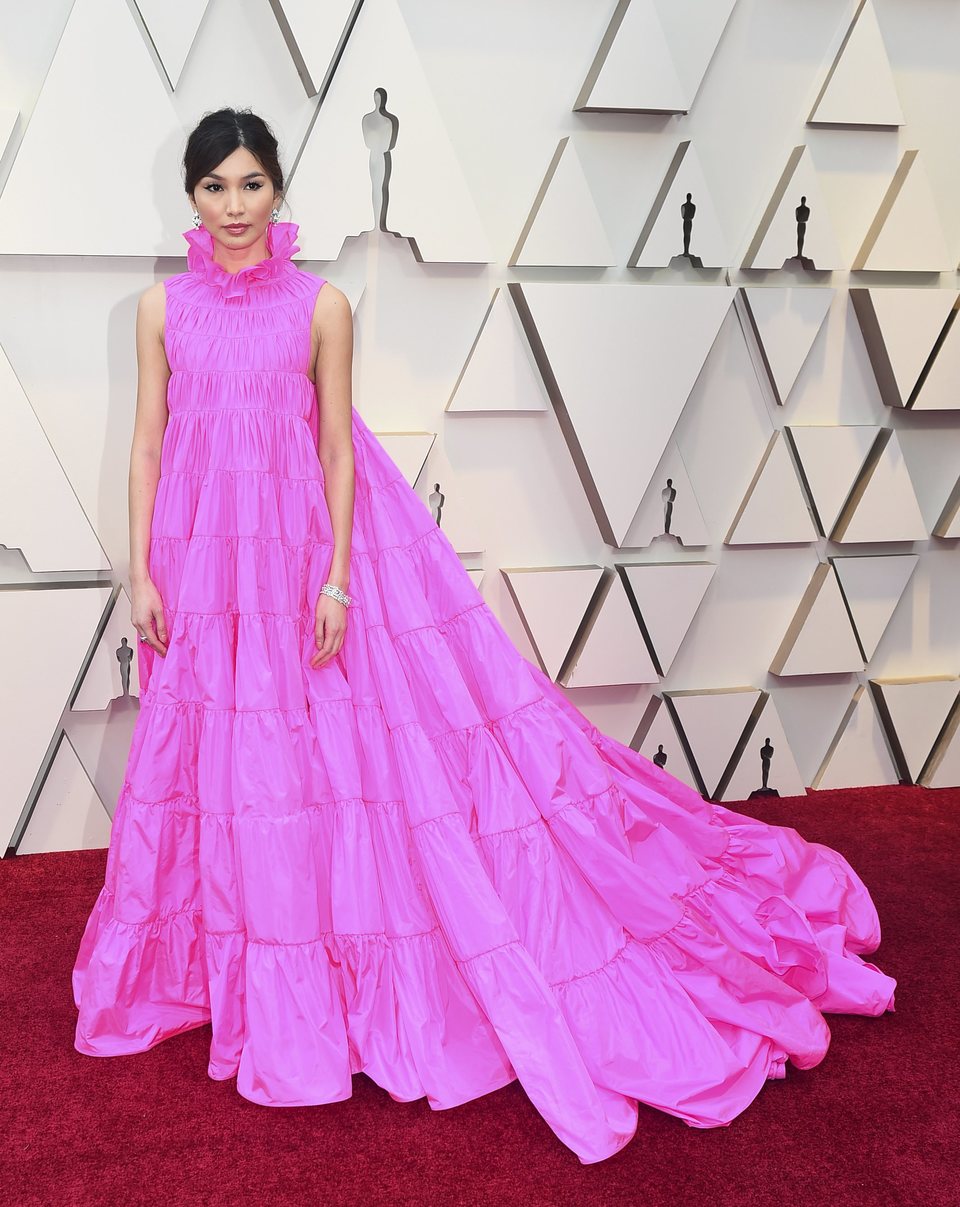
{"x": 281, "y": 243}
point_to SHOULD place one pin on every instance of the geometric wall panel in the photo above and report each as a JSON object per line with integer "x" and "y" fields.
{"x": 939, "y": 389}
{"x": 882, "y": 505}
{"x": 499, "y": 373}
{"x": 872, "y": 588}
{"x": 831, "y": 459}
{"x": 612, "y": 649}
{"x": 859, "y": 88}
{"x": 563, "y": 226}
{"x": 633, "y": 70}
{"x": 68, "y": 814}
{"x": 662, "y": 238}
{"x": 906, "y": 235}
{"x": 103, "y": 679}
{"x": 902, "y": 332}
{"x": 777, "y": 237}
{"x": 713, "y": 725}
{"x": 125, "y": 95}
{"x": 172, "y": 28}
{"x": 766, "y": 754}
{"x": 44, "y": 636}
{"x": 408, "y": 451}
{"x": 914, "y": 712}
{"x": 657, "y": 739}
{"x": 429, "y": 200}
{"x": 786, "y": 323}
{"x": 667, "y": 596}
{"x": 948, "y": 525}
{"x": 39, "y": 511}
{"x": 315, "y": 35}
{"x": 774, "y": 510}
{"x": 669, "y": 511}
{"x": 552, "y": 603}
{"x": 943, "y": 767}
{"x": 619, "y": 362}
{"x": 693, "y": 30}
{"x": 819, "y": 639}
{"x": 858, "y": 756}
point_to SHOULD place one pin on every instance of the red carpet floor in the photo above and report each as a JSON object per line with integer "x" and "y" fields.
{"x": 877, "y": 1122}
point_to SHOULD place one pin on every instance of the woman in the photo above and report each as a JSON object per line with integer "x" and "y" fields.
{"x": 358, "y": 831}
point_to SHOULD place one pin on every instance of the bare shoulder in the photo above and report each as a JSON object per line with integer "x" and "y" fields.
{"x": 151, "y": 308}
{"x": 332, "y": 314}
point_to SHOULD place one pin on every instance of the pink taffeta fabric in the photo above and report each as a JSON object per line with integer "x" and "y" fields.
{"x": 419, "y": 861}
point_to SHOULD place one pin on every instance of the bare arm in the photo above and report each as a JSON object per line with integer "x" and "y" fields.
{"x": 333, "y": 333}
{"x": 153, "y": 373}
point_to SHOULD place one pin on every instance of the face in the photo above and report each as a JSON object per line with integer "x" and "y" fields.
{"x": 237, "y": 191}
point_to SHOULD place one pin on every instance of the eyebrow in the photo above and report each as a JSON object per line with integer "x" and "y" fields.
{"x": 215, "y": 176}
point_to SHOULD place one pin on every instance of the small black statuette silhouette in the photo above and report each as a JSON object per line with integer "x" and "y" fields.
{"x": 669, "y": 495}
{"x": 125, "y": 656}
{"x": 766, "y": 757}
{"x": 437, "y": 500}
{"x": 688, "y": 209}
{"x": 660, "y": 758}
{"x": 802, "y": 215}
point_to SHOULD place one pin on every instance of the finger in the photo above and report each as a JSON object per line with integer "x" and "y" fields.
{"x": 161, "y": 626}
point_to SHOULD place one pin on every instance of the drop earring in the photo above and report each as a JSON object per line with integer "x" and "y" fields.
{"x": 197, "y": 220}
{"x": 275, "y": 215}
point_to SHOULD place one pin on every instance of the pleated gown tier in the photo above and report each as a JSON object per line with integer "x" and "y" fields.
{"x": 420, "y": 861}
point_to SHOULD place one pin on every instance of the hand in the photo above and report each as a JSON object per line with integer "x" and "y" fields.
{"x": 331, "y": 625}
{"x": 147, "y": 609}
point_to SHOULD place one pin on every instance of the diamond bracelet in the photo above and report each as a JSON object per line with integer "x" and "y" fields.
{"x": 337, "y": 594}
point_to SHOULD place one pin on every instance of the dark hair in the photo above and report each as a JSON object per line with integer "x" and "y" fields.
{"x": 218, "y": 135}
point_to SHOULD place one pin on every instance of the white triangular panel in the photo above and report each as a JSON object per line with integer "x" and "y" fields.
{"x": 86, "y": 89}
{"x": 943, "y": 770}
{"x": 885, "y": 506}
{"x": 668, "y": 595}
{"x": 624, "y": 359}
{"x": 693, "y": 29}
{"x": 776, "y": 239}
{"x": 39, "y": 512}
{"x": 901, "y": 328}
{"x": 552, "y": 604}
{"x": 172, "y": 25}
{"x": 661, "y": 737}
{"x": 872, "y": 587}
{"x": 430, "y": 202}
{"x": 476, "y": 577}
{"x": 8, "y": 123}
{"x": 614, "y": 651}
{"x": 564, "y": 226}
{"x": 858, "y": 756}
{"x": 315, "y": 33}
{"x": 787, "y": 321}
{"x": 948, "y": 524}
{"x": 103, "y": 681}
{"x": 940, "y": 390}
{"x": 658, "y": 512}
{"x": 774, "y": 510}
{"x": 819, "y": 640}
{"x": 713, "y": 723}
{"x": 662, "y": 237}
{"x": 860, "y": 90}
{"x": 634, "y": 71}
{"x": 69, "y": 814}
{"x": 906, "y": 235}
{"x": 831, "y": 459}
{"x": 407, "y": 450}
{"x": 916, "y": 711}
{"x": 784, "y": 774}
{"x": 500, "y": 373}
{"x": 44, "y": 635}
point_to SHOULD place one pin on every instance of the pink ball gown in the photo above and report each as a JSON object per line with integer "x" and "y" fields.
{"x": 420, "y": 861}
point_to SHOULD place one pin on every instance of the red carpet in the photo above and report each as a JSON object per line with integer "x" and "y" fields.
{"x": 877, "y": 1121}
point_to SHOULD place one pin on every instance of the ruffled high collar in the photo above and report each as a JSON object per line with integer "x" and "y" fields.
{"x": 281, "y": 242}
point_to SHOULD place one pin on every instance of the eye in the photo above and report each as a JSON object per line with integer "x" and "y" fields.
{"x": 256, "y": 185}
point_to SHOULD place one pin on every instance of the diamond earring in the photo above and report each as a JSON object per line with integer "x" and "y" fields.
{"x": 197, "y": 220}
{"x": 275, "y": 215}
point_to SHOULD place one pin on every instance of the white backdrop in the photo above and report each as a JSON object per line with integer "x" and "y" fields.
{"x": 504, "y": 317}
